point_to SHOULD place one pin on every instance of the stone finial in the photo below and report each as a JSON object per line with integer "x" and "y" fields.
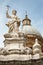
{"x": 36, "y": 47}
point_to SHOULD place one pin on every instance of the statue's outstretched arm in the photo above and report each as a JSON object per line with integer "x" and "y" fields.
{"x": 7, "y": 15}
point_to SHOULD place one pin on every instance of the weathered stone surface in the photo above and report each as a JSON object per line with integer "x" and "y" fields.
{"x": 28, "y": 62}
{"x": 18, "y": 43}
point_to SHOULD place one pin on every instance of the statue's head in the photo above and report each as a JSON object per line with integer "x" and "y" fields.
{"x": 14, "y": 12}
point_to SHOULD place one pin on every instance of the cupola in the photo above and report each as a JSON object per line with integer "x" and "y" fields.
{"x": 26, "y": 20}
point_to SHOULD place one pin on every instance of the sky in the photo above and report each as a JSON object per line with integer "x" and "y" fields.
{"x": 34, "y": 10}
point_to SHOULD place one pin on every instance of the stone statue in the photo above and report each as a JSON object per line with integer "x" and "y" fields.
{"x": 14, "y": 21}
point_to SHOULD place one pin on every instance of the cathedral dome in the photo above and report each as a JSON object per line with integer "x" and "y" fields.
{"x": 28, "y": 28}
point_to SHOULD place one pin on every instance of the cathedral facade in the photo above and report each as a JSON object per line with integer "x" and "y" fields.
{"x": 23, "y": 44}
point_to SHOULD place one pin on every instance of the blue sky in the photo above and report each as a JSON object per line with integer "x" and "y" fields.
{"x": 34, "y": 10}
